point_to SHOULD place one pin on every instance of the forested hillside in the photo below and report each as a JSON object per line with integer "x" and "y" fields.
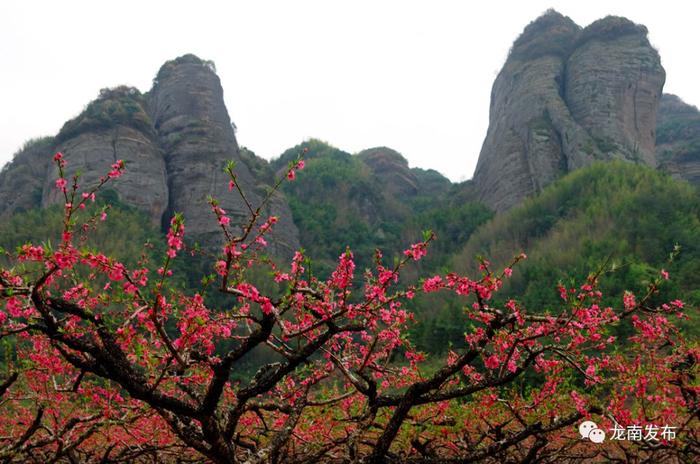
{"x": 616, "y": 218}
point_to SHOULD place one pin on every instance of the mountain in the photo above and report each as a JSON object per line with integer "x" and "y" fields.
{"x": 621, "y": 217}
{"x": 175, "y": 140}
{"x": 678, "y": 139}
{"x": 370, "y": 200}
{"x": 566, "y": 97}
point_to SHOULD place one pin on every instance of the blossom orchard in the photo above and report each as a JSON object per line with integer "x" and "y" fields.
{"x": 110, "y": 363}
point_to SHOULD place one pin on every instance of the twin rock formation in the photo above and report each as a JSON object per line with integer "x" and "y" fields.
{"x": 565, "y": 97}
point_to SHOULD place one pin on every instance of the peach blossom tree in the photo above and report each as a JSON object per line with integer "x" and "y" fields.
{"x": 110, "y": 363}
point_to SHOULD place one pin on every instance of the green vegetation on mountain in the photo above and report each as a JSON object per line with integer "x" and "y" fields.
{"x": 24, "y": 174}
{"x": 126, "y": 233}
{"x": 618, "y": 216}
{"x": 621, "y": 217}
{"x": 188, "y": 59}
{"x": 550, "y": 34}
{"x": 117, "y": 106}
{"x": 340, "y": 201}
{"x": 678, "y": 131}
{"x": 611, "y": 28}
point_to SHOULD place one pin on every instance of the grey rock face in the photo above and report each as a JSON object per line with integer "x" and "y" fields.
{"x": 22, "y": 180}
{"x": 197, "y": 138}
{"x": 613, "y": 89}
{"x": 678, "y": 139}
{"x": 144, "y": 183}
{"x": 564, "y": 98}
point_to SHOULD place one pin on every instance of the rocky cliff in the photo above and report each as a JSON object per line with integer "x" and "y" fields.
{"x": 113, "y": 127}
{"x": 400, "y": 180}
{"x": 678, "y": 139}
{"x": 197, "y": 139}
{"x": 22, "y": 180}
{"x": 175, "y": 140}
{"x": 565, "y": 97}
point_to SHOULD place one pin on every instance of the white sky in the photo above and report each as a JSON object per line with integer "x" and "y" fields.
{"x": 414, "y": 76}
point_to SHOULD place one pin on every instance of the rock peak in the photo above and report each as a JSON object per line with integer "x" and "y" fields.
{"x": 551, "y": 33}
{"x": 550, "y": 19}
{"x": 566, "y": 97}
{"x": 611, "y": 28}
{"x": 187, "y": 60}
{"x": 377, "y": 155}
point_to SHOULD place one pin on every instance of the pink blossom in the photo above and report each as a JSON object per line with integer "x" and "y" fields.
{"x": 32, "y": 253}
{"x": 14, "y": 307}
{"x": 266, "y": 306}
{"x": 59, "y": 159}
{"x": 61, "y": 184}
{"x": 590, "y": 370}
{"x": 220, "y": 267}
{"x": 117, "y": 169}
{"x": 562, "y": 292}
{"x": 492, "y": 362}
{"x": 417, "y": 251}
{"x": 579, "y": 402}
{"x": 512, "y": 365}
{"x": 297, "y": 268}
{"x": 432, "y": 284}
{"x": 281, "y": 276}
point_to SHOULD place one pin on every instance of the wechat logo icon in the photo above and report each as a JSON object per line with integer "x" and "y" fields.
{"x": 589, "y": 430}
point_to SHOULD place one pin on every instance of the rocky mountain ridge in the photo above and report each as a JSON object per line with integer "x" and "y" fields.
{"x": 567, "y": 96}
{"x": 175, "y": 140}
